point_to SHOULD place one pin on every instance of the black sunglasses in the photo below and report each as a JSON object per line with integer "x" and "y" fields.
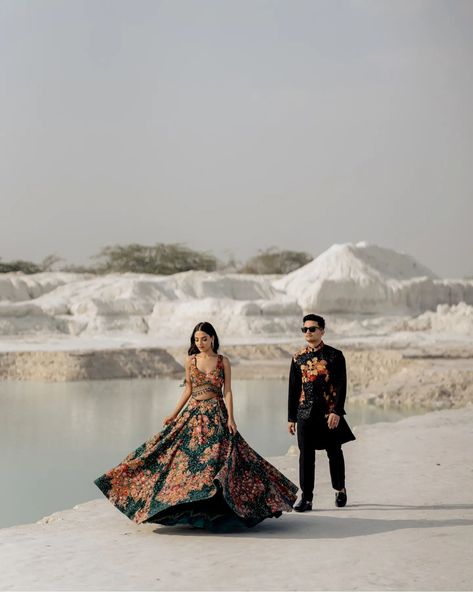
{"x": 311, "y": 329}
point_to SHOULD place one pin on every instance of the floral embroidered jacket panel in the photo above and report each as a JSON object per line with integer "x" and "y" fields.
{"x": 317, "y": 381}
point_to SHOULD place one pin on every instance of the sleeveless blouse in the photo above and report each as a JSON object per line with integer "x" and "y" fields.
{"x": 212, "y": 381}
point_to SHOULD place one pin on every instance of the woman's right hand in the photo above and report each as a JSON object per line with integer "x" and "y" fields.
{"x": 232, "y": 427}
{"x": 169, "y": 419}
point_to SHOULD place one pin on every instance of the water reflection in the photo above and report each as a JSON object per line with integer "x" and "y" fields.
{"x": 56, "y": 438}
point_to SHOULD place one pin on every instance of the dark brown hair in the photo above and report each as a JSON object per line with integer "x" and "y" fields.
{"x": 316, "y": 318}
{"x": 206, "y": 328}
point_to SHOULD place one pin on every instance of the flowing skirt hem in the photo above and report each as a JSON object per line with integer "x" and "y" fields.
{"x": 195, "y": 472}
{"x": 213, "y": 514}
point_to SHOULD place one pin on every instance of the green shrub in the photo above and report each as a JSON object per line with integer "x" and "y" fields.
{"x": 275, "y": 261}
{"x": 160, "y": 259}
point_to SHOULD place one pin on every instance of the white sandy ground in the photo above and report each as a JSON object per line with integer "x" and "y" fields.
{"x": 408, "y": 526}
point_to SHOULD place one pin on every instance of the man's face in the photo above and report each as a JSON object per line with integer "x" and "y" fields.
{"x": 313, "y": 333}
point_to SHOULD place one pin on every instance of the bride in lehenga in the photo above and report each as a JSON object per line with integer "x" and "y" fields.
{"x": 199, "y": 470}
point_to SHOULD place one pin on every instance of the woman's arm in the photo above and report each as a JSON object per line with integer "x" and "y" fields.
{"x": 186, "y": 393}
{"x": 228, "y": 396}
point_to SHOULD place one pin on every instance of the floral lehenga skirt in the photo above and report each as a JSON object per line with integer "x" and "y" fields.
{"x": 195, "y": 472}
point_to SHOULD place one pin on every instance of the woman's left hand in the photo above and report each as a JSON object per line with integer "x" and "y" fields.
{"x": 232, "y": 427}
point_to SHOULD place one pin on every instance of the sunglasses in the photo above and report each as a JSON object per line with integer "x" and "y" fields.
{"x": 311, "y": 329}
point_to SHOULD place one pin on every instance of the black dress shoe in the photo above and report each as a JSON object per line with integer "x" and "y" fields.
{"x": 341, "y": 499}
{"x": 303, "y": 506}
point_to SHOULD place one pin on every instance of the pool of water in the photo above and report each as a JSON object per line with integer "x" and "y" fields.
{"x": 56, "y": 438}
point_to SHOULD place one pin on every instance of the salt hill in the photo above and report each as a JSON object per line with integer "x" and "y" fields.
{"x": 17, "y": 287}
{"x": 348, "y": 279}
{"x": 368, "y": 279}
{"x": 140, "y": 303}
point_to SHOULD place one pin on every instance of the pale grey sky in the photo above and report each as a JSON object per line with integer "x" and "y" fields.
{"x": 234, "y": 125}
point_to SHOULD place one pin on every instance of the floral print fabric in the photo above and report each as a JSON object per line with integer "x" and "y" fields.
{"x": 194, "y": 471}
{"x": 212, "y": 381}
{"x": 317, "y": 387}
{"x": 317, "y": 376}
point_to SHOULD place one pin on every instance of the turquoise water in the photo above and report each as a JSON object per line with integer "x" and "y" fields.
{"x": 56, "y": 438}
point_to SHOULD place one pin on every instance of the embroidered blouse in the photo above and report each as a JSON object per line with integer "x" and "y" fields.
{"x": 212, "y": 381}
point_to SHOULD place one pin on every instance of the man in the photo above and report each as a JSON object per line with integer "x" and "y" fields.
{"x": 317, "y": 391}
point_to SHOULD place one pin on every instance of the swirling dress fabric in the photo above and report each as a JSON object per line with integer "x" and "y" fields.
{"x": 195, "y": 472}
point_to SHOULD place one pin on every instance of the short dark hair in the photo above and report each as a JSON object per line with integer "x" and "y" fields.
{"x": 205, "y": 327}
{"x": 313, "y": 317}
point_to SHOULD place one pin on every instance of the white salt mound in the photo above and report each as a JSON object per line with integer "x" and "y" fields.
{"x": 237, "y": 318}
{"x": 367, "y": 279}
{"x": 359, "y": 262}
{"x": 362, "y": 281}
{"x": 239, "y": 305}
{"x": 16, "y": 287}
{"x": 456, "y": 319}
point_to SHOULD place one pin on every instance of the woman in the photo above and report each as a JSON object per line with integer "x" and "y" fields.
{"x": 199, "y": 470}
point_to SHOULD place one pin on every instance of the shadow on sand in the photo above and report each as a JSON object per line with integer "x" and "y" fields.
{"x": 318, "y": 525}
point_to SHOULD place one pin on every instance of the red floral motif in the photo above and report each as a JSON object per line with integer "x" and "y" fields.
{"x": 314, "y": 368}
{"x": 215, "y": 378}
{"x": 191, "y": 460}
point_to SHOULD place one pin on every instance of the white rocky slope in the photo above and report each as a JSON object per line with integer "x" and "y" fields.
{"x": 368, "y": 279}
{"x": 160, "y": 305}
{"x": 457, "y": 319}
{"x": 18, "y": 287}
{"x": 367, "y": 283}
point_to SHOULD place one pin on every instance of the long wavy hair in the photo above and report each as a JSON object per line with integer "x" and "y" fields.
{"x": 206, "y": 328}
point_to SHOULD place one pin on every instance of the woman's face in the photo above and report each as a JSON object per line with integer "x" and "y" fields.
{"x": 203, "y": 341}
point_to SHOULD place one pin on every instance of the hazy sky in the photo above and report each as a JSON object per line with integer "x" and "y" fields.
{"x": 234, "y": 125}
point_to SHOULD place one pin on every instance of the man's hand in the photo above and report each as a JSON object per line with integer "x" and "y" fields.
{"x": 292, "y": 427}
{"x": 333, "y": 420}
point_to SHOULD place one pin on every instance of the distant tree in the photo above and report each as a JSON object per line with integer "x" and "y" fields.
{"x": 275, "y": 261}
{"x": 19, "y": 265}
{"x": 29, "y": 267}
{"x": 161, "y": 259}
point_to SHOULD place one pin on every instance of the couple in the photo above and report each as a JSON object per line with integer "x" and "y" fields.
{"x": 200, "y": 471}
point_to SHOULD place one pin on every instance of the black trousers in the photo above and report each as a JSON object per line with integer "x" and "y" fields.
{"x": 308, "y": 434}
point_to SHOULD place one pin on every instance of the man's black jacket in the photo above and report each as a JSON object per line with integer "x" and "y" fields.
{"x": 317, "y": 381}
